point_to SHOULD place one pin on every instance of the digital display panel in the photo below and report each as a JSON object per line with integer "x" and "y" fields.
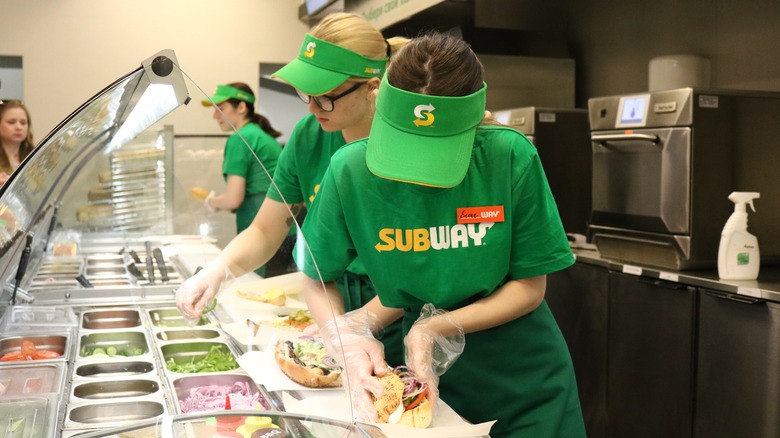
{"x": 632, "y": 111}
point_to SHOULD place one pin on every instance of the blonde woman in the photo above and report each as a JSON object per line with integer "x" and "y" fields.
{"x": 337, "y": 70}
{"x": 16, "y": 136}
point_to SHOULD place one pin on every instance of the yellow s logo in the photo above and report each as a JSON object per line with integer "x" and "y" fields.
{"x": 309, "y": 53}
{"x": 424, "y": 114}
{"x": 316, "y": 189}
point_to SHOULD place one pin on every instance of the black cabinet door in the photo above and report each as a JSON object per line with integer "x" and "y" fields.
{"x": 650, "y": 361}
{"x": 577, "y": 297}
{"x": 738, "y": 367}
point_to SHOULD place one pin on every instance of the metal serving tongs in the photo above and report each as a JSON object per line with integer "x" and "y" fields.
{"x": 131, "y": 259}
{"x": 149, "y": 262}
{"x": 158, "y": 257}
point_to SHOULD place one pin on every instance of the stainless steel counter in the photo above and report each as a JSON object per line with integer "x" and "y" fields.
{"x": 767, "y": 287}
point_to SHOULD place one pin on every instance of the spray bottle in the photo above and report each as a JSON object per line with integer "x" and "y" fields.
{"x": 738, "y": 255}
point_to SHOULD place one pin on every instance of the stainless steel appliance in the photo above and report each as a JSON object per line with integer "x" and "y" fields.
{"x": 664, "y": 163}
{"x": 561, "y": 135}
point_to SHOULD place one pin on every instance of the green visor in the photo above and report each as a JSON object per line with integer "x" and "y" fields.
{"x": 422, "y": 139}
{"x": 225, "y": 92}
{"x": 322, "y": 66}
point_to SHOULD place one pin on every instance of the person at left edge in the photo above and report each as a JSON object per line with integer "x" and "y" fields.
{"x": 254, "y": 139}
{"x": 16, "y": 138}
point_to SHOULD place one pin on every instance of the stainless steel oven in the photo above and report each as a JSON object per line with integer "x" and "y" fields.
{"x": 664, "y": 163}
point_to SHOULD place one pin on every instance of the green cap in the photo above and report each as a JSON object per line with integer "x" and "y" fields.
{"x": 322, "y": 66}
{"x": 422, "y": 139}
{"x": 225, "y": 92}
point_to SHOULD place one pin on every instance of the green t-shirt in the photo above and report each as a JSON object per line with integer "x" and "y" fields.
{"x": 409, "y": 238}
{"x": 303, "y": 161}
{"x": 240, "y": 160}
{"x": 302, "y": 164}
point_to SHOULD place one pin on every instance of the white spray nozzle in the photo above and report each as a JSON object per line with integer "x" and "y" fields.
{"x": 740, "y": 199}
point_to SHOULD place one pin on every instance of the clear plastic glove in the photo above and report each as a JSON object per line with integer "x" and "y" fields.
{"x": 195, "y": 293}
{"x": 206, "y": 202}
{"x": 429, "y": 353}
{"x": 311, "y": 330}
{"x": 349, "y": 339}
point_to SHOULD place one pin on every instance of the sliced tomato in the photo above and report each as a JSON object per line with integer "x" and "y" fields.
{"x": 417, "y": 400}
{"x": 46, "y": 354}
{"x": 16, "y": 355}
{"x": 28, "y": 348}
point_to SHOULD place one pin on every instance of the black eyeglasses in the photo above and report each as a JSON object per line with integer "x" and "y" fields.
{"x": 326, "y": 103}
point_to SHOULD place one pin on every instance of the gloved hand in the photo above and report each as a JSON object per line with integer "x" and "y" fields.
{"x": 349, "y": 339}
{"x": 195, "y": 293}
{"x": 207, "y": 204}
{"x": 429, "y": 353}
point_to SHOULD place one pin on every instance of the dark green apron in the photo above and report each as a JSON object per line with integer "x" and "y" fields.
{"x": 357, "y": 290}
{"x": 520, "y": 374}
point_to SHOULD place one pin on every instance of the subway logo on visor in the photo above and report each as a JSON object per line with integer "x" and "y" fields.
{"x": 473, "y": 215}
{"x": 424, "y": 115}
{"x": 309, "y": 53}
{"x": 373, "y": 71}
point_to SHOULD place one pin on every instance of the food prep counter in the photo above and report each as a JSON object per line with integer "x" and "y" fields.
{"x": 119, "y": 366}
{"x": 127, "y": 367}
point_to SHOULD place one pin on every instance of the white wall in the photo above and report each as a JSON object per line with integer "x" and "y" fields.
{"x": 72, "y": 49}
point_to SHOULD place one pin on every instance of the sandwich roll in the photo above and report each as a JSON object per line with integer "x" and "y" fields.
{"x": 405, "y": 395}
{"x": 306, "y": 362}
{"x": 199, "y": 193}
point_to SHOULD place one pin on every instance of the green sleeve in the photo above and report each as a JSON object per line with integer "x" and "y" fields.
{"x": 236, "y": 161}
{"x": 286, "y": 174}
{"x": 326, "y": 233}
{"x": 539, "y": 243}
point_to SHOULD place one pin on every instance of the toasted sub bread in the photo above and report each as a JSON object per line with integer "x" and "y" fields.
{"x": 421, "y": 416}
{"x": 392, "y": 397}
{"x": 305, "y": 369}
{"x": 276, "y": 297}
{"x": 199, "y": 193}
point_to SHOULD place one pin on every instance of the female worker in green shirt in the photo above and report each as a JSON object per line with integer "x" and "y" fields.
{"x": 252, "y": 143}
{"x": 337, "y": 68}
{"x": 445, "y": 210}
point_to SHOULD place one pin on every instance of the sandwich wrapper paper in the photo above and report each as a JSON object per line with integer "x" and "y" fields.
{"x": 333, "y": 402}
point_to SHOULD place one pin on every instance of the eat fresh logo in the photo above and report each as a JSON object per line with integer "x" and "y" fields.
{"x": 473, "y": 215}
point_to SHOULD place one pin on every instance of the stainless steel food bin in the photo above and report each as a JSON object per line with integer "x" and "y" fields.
{"x": 171, "y": 317}
{"x": 110, "y": 318}
{"x": 185, "y": 352}
{"x": 114, "y": 389}
{"x": 186, "y": 334}
{"x": 123, "y": 341}
{"x": 99, "y": 369}
{"x": 59, "y": 342}
{"x": 106, "y": 414}
{"x": 182, "y": 386}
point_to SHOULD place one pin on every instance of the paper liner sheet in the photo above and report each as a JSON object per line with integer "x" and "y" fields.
{"x": 263, "y": 369}
{"x": 335, "y": 405}
{"x": 243, "y": 308}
